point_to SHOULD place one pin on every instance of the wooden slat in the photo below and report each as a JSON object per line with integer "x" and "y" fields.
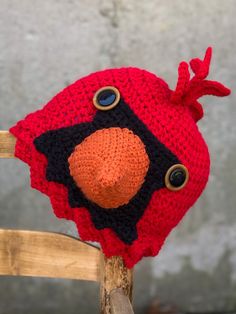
{"x": 7, "y": 144}
{"x": 46, "y": 254}
{"x": 120, "y": 303}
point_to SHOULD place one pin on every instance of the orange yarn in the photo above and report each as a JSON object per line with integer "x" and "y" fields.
{"x": 115, "y": 171}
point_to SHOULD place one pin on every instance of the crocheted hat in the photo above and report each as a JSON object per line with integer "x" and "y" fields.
{"x": 120, "y": 154}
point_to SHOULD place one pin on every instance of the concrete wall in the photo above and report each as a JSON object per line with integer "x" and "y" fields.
{"x": 44, "y": 45}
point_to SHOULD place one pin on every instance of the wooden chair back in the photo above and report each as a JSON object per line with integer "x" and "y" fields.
{"x": 55, "y": 255}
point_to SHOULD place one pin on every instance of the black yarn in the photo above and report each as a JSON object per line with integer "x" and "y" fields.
{"x": 57, "y": 146}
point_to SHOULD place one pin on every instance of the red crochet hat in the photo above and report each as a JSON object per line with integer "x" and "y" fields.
{"x": 120, "y": 154}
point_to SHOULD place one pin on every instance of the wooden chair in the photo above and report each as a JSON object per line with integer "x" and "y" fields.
{"x": 55, "y": 255}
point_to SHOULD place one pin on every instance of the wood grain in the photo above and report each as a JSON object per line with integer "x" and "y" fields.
{"x": 120, "y": 303}
{"x": 114, "y": 275}
{"x": 46, "y": 254}
{"x": 7, "y": 144}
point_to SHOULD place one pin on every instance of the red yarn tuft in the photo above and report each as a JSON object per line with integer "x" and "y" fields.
{"x": 188, "y": 90}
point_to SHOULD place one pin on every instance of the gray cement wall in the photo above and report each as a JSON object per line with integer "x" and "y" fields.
{"x": 44, "y": 45}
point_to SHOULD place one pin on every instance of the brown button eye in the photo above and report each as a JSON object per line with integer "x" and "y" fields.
{"x": 176, "y": 177}
{"x": 106, "y": 98}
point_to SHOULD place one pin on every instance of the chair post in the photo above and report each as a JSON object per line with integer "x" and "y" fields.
{"x": 115, "y": 277}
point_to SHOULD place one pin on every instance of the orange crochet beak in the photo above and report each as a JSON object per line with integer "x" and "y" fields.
{"x": 109, "y": 166}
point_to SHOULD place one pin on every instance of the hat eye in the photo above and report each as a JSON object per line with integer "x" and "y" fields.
{"x": 106, "y": 98}
{"x": 176, "y": 177}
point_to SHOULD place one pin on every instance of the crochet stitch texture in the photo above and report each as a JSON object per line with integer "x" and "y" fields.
{"x": 105, "y": 170}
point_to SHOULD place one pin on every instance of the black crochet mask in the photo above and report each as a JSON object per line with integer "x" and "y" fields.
{"x": 57, "y": 146}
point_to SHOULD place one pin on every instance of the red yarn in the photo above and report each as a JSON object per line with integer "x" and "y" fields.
{"x": 171, "y": 117}
{"x": 188, "y": 91}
